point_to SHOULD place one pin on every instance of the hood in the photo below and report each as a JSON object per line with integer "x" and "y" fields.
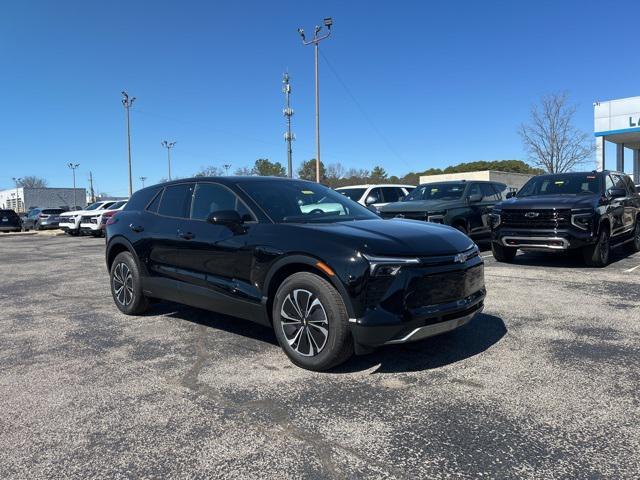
{"x": 418, "y": 206}
{"x": 80, "y": 212}
{"x": 395, "y": 237}
{"x": 552, "y": 201}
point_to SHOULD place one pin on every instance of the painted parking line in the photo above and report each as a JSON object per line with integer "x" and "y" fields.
{"x": 629, "y": 270}
{"x": 486, "y": 256}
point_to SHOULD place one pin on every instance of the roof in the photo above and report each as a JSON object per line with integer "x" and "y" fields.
{"x": 376, "y": 185}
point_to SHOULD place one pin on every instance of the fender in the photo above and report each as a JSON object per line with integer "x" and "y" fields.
{"x": 120, "y": 240}
{"x": 311, "y": 262}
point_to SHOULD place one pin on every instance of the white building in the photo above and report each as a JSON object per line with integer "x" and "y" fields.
{"x": 22, "y": 199}
{"x": 514, "y": 181}
{"x": 618, "y": 122}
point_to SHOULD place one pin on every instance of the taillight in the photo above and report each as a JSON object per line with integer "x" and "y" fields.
{"x": 111, "y": 217}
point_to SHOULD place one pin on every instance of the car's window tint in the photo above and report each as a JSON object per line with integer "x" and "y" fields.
{"x": 211, "y": 197}
{"x": 353, "y": 193}
{"x": 630, "y": 186}
{"x": 562, "y": 184}
{"x": 155, "y": 203}
{"x": 437, "y": 191}
{"x": 489, "y": 193}
{"x": 391, "y": 194}
{"x": 374, "y": 196}
{"x": 474, "y": 189}
{"x": 176, "y": 200}
{"x": 618, "y": 182}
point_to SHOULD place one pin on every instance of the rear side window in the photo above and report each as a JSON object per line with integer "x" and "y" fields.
{"x": 211, "y": 197}
{"x": 141, "y": 198}
{"x": 176, "y": 200}
{"x": 155, "y": 203}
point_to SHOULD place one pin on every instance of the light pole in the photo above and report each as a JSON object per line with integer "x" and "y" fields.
{"x": 127, "y": 102}
{"x": 328, "y": 22}
{"x": 288, "y": 113}
{"x": 17, "y": 182}
{"x": 227, "y": 166}
{"x": 73, "y": 167}
{"x": 142, "y": 179}
{"x": 168, "y": 146}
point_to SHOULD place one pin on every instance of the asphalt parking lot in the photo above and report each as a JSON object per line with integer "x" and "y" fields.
{"x": 544, "y": 384}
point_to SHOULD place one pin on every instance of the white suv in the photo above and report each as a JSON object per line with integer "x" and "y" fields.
{"x": 376, "y": 195}
{"x": 94, "y": 223}
{"x": 70, "y": 221}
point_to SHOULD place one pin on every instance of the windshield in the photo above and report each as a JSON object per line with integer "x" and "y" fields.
{"x": 354, "y": 194}
{"x": 117, "y": 205}
{"x": 93, "y": 206}
{"x": 437, "y": 191}
{"x": 297, "y": 201}
{"x": 562, "y": 184}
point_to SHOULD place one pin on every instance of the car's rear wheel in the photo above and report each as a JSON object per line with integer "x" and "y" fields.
{"x": 126, "y": 285}
{"x": 597, "y": 255}
{"x": 634, "y": 244}
{"x": 311, "y": 322}
{"x": 502, "y": 253}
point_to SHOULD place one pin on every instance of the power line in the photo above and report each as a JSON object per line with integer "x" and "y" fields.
{"x": 363, "y": 111}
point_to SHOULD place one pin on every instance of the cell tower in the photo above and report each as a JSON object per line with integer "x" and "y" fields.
{"x": 288, "y": 113}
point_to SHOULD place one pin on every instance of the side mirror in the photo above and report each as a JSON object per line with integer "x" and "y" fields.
{"x": 510, "y": 194}
{"x": 617, "y": 192}
{"x": 227, "y": 218}
{"x": 475, "y": 197}
{"x": 371, "y": 199}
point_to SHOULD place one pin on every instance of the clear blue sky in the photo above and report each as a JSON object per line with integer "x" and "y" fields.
{"x": 444, "y": 82}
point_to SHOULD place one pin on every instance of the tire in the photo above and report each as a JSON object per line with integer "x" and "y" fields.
{"x": 597, "y": 255}
{"x": 503, "y": 254}
{"x": 326, "y": 320}
{"x": 634, "y": 245}
{"x": 126, "y": 287}
{"x": 461, "y": 228}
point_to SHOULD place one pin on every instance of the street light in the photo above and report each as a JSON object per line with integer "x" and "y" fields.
{"x": 127, "y": 102}
{"x": 17, "y": 182}
{"x": 142, "y": 179}
{"x": 226, "y": 166}
{"x": 328, "y": 22}
{"x": 73, "y": 167}
{"x": 168, "y": 146}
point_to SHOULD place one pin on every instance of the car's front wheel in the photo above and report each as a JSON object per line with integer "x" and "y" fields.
{"x": 311, "y": 322}
{"x": 634, "y": 244}
{"x": 597, "y": 255}
{"x": 126, "y": 287}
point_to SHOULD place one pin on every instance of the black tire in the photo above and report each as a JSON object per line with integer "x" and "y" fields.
{"x": 634, "y": 245}
{"x": 597, "y": 255}
{"x": 126, "y": 287}
{"x": 308, "y": 351}
{"x": 461, "y": 228}
{"x": 502, "y": 253}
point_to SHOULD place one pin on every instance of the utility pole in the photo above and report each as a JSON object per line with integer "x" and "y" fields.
{"x": 227, "y": 166}
{"x": 142, "y": 179}
{"x": 91, "y": 190}
{"x": 17, "y": 182}
{"x": 328, "y": 22}
{"x": 168, "y": 146}
{"x": 73, "y": 167}
{"x": 288, "y": 112}
{"x": 128, "y": 102}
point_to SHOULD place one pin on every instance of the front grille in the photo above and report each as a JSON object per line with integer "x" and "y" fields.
{"x": 445, "y": 287}
{"x": 536, "y": 218}
{"x": 376, "y": 288}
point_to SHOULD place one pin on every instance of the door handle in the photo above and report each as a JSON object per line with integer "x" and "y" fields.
{"x": 136, "y": 228}
{"x": 186, "y": 235}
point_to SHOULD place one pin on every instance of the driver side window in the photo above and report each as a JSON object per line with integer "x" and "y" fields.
{"x": 211, "y": 197}
{"x": 608, "y": 184}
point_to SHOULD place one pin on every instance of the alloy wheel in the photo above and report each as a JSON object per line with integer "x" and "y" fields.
{"x": 123, "y": 284}
{"x": 304, "y": 322}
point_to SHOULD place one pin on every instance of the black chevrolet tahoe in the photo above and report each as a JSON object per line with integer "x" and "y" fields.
{"x": 591, "y": 211}
{"x": 464, "y": 205}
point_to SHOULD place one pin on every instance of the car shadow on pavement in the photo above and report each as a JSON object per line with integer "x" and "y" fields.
{"x": 571, "y": 259}
{"x": 479, "y": 335}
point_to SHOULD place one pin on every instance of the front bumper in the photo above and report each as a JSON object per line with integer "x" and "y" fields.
{"x": 420, "y": 303}
{"x": 546, "y": 240}
{"x": 10, "y": 228}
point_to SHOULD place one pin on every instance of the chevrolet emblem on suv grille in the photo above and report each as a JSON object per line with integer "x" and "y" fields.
{"x": 531, "y": 214}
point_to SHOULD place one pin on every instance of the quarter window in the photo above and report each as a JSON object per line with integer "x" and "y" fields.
{"x": 176, "y": 200}
{"x": 211, "y": 197}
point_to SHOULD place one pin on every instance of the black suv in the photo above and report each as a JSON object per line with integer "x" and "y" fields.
{"x": 464, "y": 205}
{"x": 10, "y": 221}
{"x": 330, "y": 276}
{"x": 591, "y": 211}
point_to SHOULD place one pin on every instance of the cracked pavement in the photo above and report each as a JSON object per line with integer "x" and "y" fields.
{"x": 544, "y": 384}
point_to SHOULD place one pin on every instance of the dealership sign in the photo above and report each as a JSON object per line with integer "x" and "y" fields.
{"x": 617, "y": 116}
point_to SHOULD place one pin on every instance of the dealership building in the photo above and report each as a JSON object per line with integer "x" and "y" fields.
{"x": 617, "y": 122}
{"x": 21, "y": 199}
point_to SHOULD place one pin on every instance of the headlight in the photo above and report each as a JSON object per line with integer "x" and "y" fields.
{"x": 582, "y": 219}
{"x": 385, "y": 266}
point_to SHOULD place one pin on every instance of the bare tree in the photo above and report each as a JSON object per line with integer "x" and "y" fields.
{"x": 31, "y": 181}
{"x": 244, "y": 172}
{"x": 209, "y": 171}
{"x": 550, "y": 138}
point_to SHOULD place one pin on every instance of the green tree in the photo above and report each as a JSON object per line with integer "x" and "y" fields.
{"x": 307, "y": 170}
{"x": 378, "y": 174}
{"x": 210, "y": 171}
{"x": 266, "y": 168}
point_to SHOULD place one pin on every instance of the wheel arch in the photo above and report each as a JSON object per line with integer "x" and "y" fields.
{"x": 116, "y": 246}
{"x": 286, "y": 267}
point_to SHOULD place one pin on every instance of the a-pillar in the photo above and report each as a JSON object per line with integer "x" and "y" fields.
{"x": 600, "y": 153}
{"x": 636, "y": 167}
{"x": 620, "y": 157}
